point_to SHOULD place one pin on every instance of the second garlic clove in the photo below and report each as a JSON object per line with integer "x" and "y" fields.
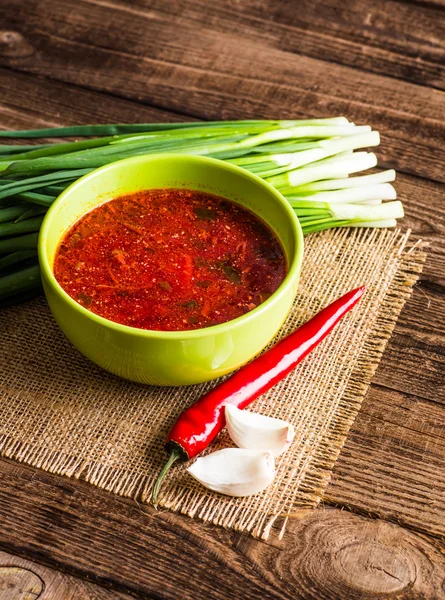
{"x": 257, "y": 432}
{"x": 235, "y": 471}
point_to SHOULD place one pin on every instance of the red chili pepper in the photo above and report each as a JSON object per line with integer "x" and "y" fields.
{"x": 198, "y": 425}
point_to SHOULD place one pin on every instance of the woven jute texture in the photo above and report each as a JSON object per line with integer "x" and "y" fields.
{"x": 63, "y": 414}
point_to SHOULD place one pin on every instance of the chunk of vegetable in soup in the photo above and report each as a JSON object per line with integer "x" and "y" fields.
{"x": 170, "y": 260}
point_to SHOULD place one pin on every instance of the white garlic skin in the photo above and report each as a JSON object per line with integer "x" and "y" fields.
{"x": 235, "y": 471}
{"x": 254, "y": 431}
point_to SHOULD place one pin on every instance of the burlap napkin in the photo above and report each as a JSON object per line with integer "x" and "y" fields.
{"x": 61, "y": 413}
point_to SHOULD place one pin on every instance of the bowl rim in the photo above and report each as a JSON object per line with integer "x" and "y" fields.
{"x": 294, "y": 267}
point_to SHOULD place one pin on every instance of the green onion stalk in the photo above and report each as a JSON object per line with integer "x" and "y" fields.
{"x": 311, "y": 162}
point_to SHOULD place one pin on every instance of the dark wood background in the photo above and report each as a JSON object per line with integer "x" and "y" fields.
{"x": 379, "y": 532}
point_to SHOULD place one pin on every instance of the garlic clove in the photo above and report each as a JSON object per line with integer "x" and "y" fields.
{"x": 258, "y": 432}
{"x": 234, "y": 471}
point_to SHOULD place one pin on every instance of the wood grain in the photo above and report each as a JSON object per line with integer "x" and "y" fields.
{"x": 402, "y": 353}
{"x": 334, "y": 555}
{"x": 386, "y": 37}
{"x": 21, "y": 579}
{"x": 415, "y": 341}
{"x": 235, "y": 77}
{"x": 425, "y": 214}
{"x": 392, "y": 462}
{"x": 118, "y": 543}
{"x": 327, "y": 553}
{"x": 31, "y": 102}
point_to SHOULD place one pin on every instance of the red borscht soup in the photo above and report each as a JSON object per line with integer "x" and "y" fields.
{"x": 170, "y": 260}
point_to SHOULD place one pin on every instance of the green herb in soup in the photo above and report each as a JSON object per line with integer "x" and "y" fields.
{"x": 170, "y": 260}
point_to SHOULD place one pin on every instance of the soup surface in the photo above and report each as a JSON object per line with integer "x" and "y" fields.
{"x": 170, "y": 260}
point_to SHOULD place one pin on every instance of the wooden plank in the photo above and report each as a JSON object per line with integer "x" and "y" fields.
{"x": 326, "y": 554}
{"x": 29, "y": 102}
{"x": 412, "y": 365}
{"x": 414, "y": 360}
{"x": 158, "y": 59}
{"x": 118, "y": 543}
{"x": 334, "y": 555}
{"x": 415, "y": 341}
{"x": 386, "y": 37}
{"x": 22, "y": 579}
{"x": 424, "y": 214}
{"x": 392, "y": 462}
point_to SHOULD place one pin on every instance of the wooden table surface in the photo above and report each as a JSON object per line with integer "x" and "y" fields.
{"x": 380, "y": 529}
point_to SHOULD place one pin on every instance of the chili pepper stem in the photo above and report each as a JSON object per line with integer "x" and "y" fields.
{"x": 175, "y": 455}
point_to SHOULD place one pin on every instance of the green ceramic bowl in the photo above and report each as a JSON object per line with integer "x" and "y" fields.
{"x": 164, "y": 357}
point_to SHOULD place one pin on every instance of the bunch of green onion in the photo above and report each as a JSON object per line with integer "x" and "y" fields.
{"x": 309, "y": 162}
